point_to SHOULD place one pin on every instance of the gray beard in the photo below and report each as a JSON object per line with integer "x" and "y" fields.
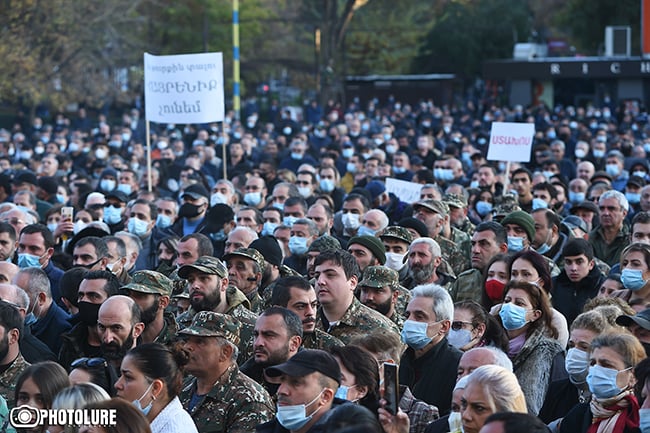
{"x": 422, "y": 275}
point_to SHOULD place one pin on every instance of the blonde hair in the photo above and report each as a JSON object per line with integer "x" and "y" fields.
{"x": 501, "y": 388}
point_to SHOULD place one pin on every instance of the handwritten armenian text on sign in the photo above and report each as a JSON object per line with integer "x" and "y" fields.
{"x": 184, "y": 88}
{"x": 511, "y": 141}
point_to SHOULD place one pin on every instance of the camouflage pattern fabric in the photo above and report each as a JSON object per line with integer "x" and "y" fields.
{"x": 9, "y": 378}
{"x": 452, "y": 254}
{"x": 468, "y": 286}
{"x": 320, "y": 340}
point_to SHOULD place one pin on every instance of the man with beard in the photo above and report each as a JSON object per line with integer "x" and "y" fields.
{"x": 208, "y": 287}
{"x": 380, "y": 290}
{"x": 278, "y": 336}
{"x": 245, "y": 267}
{"x": 424, "y": 258}
{"x": 12, "y": 362}
{"x": 151, "y": 291}
{"x": 296, "y": 294}
{"x": 83, "y": 339}
{"x": 118, "y": 326}
{"x": 219, "y": 397}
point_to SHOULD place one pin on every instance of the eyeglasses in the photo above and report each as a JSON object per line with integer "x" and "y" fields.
{"x": 458, "y": 325}
{"x": 88, "y": 362}
{"x": 96, "y": 206}
{"x": 13, "y": 221}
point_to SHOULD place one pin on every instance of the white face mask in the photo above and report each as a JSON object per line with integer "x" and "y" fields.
{"x": 350, "y": 221}
{"x": 394, "y": 261}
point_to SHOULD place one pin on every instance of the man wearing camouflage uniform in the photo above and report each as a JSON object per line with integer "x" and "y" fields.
{"x": 380, "y": 290}
{"x": 424, "y": 259}
{"x": 151, "y": 290}
{"x": 12, "y": 326}
{"x": 219, "y": 397}
{"x": 435, "y": 215}
{"x": 245, "y": 267}
{"x": 209, "y": 290}
{"x": 458, "y": 213}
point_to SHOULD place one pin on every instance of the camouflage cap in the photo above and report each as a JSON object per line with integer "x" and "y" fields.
{"x": 379, "y": 276}
{"x": 455, "y": 200}
{"x": 151, "y": 282}
{"x": 207, "y": 265}
{"x": 211, "y": 324}
{"x": 507, "y": 204}
{"x": 249, "y": 253}
{"x": 183, "y": 294}
{"x": 325, "y": 243}
{"x": 397, "y": 232}
{"x": 436, "y": 206}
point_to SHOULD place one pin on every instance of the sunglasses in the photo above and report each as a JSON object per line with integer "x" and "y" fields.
{"x": 88, "y": 362}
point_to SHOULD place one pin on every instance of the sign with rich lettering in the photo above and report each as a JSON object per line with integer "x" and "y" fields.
{"x": 184, "y": 88}
{"x": 511, "y": 141}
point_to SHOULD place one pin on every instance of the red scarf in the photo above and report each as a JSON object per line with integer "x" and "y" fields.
{"x": 628, "y": 407}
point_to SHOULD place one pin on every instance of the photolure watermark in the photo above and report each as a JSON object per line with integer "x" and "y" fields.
{"x": 28, "y": 417}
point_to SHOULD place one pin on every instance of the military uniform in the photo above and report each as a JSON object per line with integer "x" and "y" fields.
{"x": 256, "y": 303}
{"x": 467, "y": 227}
{"x": 452, "y": 254}
{"x": 468, "y": 286}
{"x": 238, "y": 305}
{"x": 380, "y": 276}
{"x": 155, "y": 283}
{"x": 358, "y": 319}
{"x": 267, "y": 292}
{"x": 235, "y": 403}
{"x": 460, "y": 235}
{"x": 320, "y": 340}
{"x": 9, "y": 378}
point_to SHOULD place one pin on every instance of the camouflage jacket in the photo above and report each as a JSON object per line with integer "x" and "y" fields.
{"x": 358, "y": 319}
{"x": 235, "y": 404}
{"x": 9, "y": 378}
{"x": 403, "y": 299}
{"x": 320, "y": 340}
{"x": 238, "y": 307}
{"x": 464, "y": 243}
{"x": 467, "y": 227}
{"x": 267, "y": 292}
{"x": 468, "y": 286}
{"x": 453, "y": 255}
{"x": 167, "y": 335}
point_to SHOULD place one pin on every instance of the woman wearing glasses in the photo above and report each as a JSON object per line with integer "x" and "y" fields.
{"x": 474, "y": 327}
{"x": 93, "y": 370}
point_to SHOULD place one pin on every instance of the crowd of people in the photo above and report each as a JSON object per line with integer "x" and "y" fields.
{"x": 262, "y": 275}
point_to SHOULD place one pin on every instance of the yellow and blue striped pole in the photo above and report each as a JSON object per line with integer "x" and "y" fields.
{"x": 235, "y": 58}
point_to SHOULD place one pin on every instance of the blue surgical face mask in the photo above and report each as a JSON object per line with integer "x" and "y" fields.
{"x": 289, "y": 220}
{"x": 269, "y": 228}
{"x": 52, "y": 226}
{"x": 632, "y": 279}
{"x": 577, "y": 364}
{"x": 163, "y": 221}
{"x": 415, "y": 334}
{"x": 125, "y": 188}
{"x": 459, "y": 338}
{"x": 342, "y": 392}
{"x": 351, "y": 167}
{"x": 298, "y": 245}
{"x": 512, "y": 316}
{"x": 644, "y": 420}
{"x": 483, "y": 207}
{"x": 112, "y": 215}
{"x": 326, "y": 185}
{"x": 137, "y": 226}
{"x": 28, "y": 261}
{"x": 515, "y": 244}
{"x": 253, "y": 198}
{"x": 364, "y": 230}
{"x": 633, "y": 197}
{"x": 474, "y": 184}
{"x": 538, "y": 203}
{"x": 399, "y": 170}
{"x": 543, "y": 249}
{"x": 295, "y": 417}
{"x": 107, "y": 185}
{"x": 145, "y": 410}
{"x": 347, "y": 152}
{"x": 576, "y": 197}
{"x": 602, "y": 381}
{"x": 612, "y": 169}
{"x": 598, "y": 153}
{"x": 279, "y": 206}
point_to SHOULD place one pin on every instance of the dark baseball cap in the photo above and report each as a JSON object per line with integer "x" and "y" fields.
{"x": 117, "y": 194}
{"x": 642, "y": 318}
{"x": 196, "y": 191}
{"x": 305, "y": 362}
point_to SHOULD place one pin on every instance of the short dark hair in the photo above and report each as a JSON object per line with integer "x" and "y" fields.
{"x": 98, "y": 243}
{"x": 524, "y": 171}
{"x": 70, "y": 282}
{"x": 292, "y": 201}
{"x": 121, "y": 246}
{"x": 363, "y": 199}
{"x": 340, "y": 258}
{"x": 281, "y": 291}
{"x": 499, "y": 231}
{"x": 578, "y": 246}
{"x": 291, "y": 320}
{"x": 551, "y": 218}
{"x": 112, "y": 286}
{"x": 153, "y": 209}
{"x": 259, "y": 218}
{"x": 545, "y": 186}
{"x": 515, "y": 422}
{"x": 204, "y": 244}
{"x": 10, "y": 318}
{"x": 8, "y": 228}
{"x": 48, "y": 238}
{"x": 641, "y": 217}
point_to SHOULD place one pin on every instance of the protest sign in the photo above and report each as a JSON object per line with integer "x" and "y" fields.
{"x": 511, "y": 141}
{"x": 184, "y": 88}
{"x": 408, "y": 192}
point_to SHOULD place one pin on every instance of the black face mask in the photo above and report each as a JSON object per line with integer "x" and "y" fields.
{"x": 88, "y": 313}
{"x": 189, "y": 210}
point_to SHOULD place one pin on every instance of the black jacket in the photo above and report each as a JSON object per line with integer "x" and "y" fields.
{"x": 569, "y": 297}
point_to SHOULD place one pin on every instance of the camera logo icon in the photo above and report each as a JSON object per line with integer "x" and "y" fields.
{"x": 25, "y": 417}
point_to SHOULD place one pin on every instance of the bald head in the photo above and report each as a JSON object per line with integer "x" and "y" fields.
{"x": 118, "y": 326}
{"x": 477, "y": 357}
{"x": 7, "y": 272}
{"x": 119, "y": 306}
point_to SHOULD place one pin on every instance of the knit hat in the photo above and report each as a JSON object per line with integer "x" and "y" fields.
{"x": 415, "y": 224}
{"x": 523, "y": 220}
{"x": 375, "y": 245}
{"x": 270, "y": 249}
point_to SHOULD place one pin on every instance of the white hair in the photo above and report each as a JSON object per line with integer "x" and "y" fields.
{"x": 443, "y": 306}
{"x": 619, "y": 196}
{"x": 434, "y": 248}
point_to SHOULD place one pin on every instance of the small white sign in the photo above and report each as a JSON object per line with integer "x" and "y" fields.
{"x": 408, "y": 192}
{"x": 511, "y": 141}
{"x": 184, "y": 88}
